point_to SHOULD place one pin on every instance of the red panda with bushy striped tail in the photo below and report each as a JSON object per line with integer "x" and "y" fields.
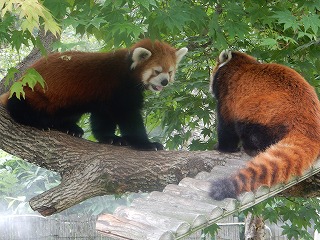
{"x": 107, "y": 85}
{"x": 273, "y": 112}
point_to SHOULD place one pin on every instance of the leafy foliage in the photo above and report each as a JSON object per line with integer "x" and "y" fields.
{"x": 30, "y": 15}
{"x": 30, "y": 79}
{"x": 19, "y": 181}
{"x": 297, "y": 215}
{"x": 182, "y": 116}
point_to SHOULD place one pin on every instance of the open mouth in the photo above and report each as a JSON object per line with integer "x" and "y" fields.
{"x": 155, "y": 87}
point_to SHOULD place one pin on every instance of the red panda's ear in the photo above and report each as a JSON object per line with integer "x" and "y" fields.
{"x": 139, "y": 55}
{"x": 180, "y": 53}
{"x": 224, "y": 57}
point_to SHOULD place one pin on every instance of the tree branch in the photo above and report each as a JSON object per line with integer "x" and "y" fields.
{"x": 91, "y": 169}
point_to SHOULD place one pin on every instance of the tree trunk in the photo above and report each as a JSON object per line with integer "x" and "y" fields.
{"x": 254, "y": 227}
{"x": 91, "y": 169}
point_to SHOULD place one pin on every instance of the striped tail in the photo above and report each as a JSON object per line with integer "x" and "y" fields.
{"x": 289, "y": 157}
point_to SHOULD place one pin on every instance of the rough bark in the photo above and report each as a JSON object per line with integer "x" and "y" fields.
{"x": 90, "y": 169}
{"x": 254, "y": 227}
{"x": 307, "y": 188}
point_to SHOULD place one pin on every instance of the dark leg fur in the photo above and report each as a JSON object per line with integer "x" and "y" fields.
{"x": 123, "y": 109}
{"x": 103, "y": 128}
{"x": 68, "y": 125}
{"x": 256, "y": 137}
{"x": 131, "y": 127}
{"x": 134, "y": 132}
{"x": 228, "y": 139}
{"x": 22, "y": 113}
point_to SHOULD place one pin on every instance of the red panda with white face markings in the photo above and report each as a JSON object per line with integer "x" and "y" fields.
{"x": 273, "y": 112}
{"x": 107, "y": 85}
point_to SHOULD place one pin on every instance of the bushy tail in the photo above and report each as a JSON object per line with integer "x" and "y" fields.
{"x": 289, "y": 157}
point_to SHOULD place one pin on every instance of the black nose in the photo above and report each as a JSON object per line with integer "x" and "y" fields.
{"x": 164, "y": 82}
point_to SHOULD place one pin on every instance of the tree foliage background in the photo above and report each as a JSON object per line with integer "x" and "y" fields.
{"x": 182, "y": 116}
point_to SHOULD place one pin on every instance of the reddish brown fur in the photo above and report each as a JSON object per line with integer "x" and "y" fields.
{"x": 108, "y": 85}
{"x": 76, "y": 89}
{"x": 91, "y": 67}
{"x": 271, "y": 95}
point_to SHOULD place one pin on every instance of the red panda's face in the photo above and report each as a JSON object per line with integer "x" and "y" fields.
{"x": 157, "y": 68}
{"x": 157, "y": 77}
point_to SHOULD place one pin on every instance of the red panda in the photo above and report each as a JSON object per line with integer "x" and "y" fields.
{"x": 273, "y": 112}
{"x": 107, "y": 85}
{"x": 4, "y": 98}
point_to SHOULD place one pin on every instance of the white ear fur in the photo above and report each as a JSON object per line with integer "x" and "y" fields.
{"x": 138, "y": 55}
{"x": 180, "y": 53}
{"x": 224, "y": 57}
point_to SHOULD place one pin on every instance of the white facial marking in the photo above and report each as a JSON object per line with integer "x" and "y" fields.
{"x": 146, "y": 75}
{"x": 155, "y": 79}
{"x": 157, "y": 70}
{"x": 159, "y": 81}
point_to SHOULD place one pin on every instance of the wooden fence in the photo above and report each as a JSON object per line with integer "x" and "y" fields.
{"x": 73, "y": 227}
{"x": 25, "y": 227}
{"x": 32, "y": 227}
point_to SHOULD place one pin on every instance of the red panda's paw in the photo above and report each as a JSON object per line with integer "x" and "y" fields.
{"x": 159, "y": 146}
{"x": 146, "y": 146}
{"x": 115, "y": 140}
{"x": 226, "y": 149}
{"x": 223, "y": 188}
{"x": 73, "y": 130}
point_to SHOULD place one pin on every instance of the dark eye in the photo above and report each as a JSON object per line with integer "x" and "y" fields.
{"x": 157, "y": 72}
{"x": 170, "y": 73}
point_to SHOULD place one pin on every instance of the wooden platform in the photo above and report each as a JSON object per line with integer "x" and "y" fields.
{"x": 182, "y": 209}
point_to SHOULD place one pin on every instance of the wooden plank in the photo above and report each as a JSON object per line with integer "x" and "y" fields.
{"x": 194, "y": 218}
{"x": 122, "y": 228}
{"x": 229, "y": 204}
{"x": 263, "y": 190}
{"x": 196, "y": 184}
{"x": 246, "y": 198}
{"x": 219, "y": 171}
{"x": 181, "y": 209}
{"x": 188, "y": 193}
{"x": 209, "y": 210}
{"x": 203, "y": 175}
{"x": 178, "y": 227}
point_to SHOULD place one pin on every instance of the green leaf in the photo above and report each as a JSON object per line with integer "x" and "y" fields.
{"x": 58, "y": 8}
{"x": 269, "y": 42}
{"x": 32, "y": 77}
{"x": 11, "y": 75}
{"x": 30, "y": 12}
{"x": 312, "y": 21}
{"x": 287, "y": 18}
{"x": 17, "y": 89}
